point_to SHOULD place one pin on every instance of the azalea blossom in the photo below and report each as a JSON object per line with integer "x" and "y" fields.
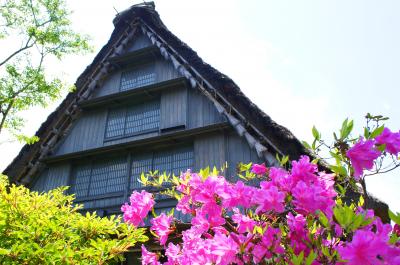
{"x": 149, "y": 258}
{"x": 236, "y": 223}
{"x": 391, "y": 141}
{"x": 259, "y": 169}
{"x": 365, "y": 248}
{"x": 362, "y": 156}
{"x": 161, "y": 227}
{"x": 140, "y": 206}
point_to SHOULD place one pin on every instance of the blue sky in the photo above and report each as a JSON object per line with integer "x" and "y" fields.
{"x": 304, "y": 63}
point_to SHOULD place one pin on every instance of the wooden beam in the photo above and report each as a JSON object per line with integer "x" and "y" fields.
{"x": 169, "y": 137}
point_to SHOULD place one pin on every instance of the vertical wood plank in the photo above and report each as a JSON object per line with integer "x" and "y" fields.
{"x": 173, "y": 108}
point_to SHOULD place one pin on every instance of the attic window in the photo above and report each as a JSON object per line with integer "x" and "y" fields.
{"x": 171, "y": 161}
{"x": 137, "y": 78}
{"x": 107, "y": 176}
{"x": 133, "y": 120}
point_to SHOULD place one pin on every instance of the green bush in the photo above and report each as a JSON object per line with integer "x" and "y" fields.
{"x": 46, "y": 228}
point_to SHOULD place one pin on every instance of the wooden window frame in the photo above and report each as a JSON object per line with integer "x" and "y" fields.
{"x": 126, "y": 109}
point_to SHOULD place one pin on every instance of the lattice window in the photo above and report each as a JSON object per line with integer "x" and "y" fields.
{"x": 137, "y": 78}
{"x": 80, "y": 187}
{"x": 133, "y": 120}
{"x": 115, "y": 123}
{"x": 171, "y": 161}
{"x": 142, "y": 163}
{"x": 100, "y": 178}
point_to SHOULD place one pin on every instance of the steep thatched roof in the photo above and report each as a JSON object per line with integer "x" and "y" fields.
{"x": 276, "y": 137}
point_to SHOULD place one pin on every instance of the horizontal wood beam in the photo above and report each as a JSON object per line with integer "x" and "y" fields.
{"x": 133, "y": 93}
{"x": 153, "y": 141}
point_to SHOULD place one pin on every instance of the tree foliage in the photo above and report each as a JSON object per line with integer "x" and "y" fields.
{"x": 47, "y": 228}
{"x": 42, "y": 29}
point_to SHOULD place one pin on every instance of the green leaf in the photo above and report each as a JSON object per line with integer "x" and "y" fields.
{"x": 315, "y": 133}
{"x": 361, "y": 201}
{"x": 284, "y": 160}
{"x": 311, "y": 257}
{"x": 395, "y": 217}
{"x": 377, "y": 131}
{"x": 347, "y": 129}
{"x": 323, "y": 219}
{"x": 341, "y": 170}
{"x": 381, "y": 147}
{"x": 343, "y": 129}
{"x": 366, "y": 133}
{"x": 298, "y": 260}
{"x": 4, "y": 251}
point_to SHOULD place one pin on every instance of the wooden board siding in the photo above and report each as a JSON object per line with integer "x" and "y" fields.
{"x": 201, "y": 112}
{"x": 180, "y": 108}
{"x": 238, "y": 151}
{"x": 173, "y": 108}
{"x": 103, "y": 203}
{"x": 209, "y": 150}
{"x": 139, "y": 41}
{"x": 218, "y": 148}
{"x": 55, "y": 176}
{"x": 110, "y": 85}
{"x": 162, "y": 69}
{"x": 87, "y": 133}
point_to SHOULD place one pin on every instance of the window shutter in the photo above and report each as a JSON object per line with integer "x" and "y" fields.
{"x": 138, "y": 77}
{"x": 133, "y": 120}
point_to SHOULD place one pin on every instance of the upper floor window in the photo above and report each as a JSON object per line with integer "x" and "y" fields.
{"x": 137, "y": 77}
{"x": 133, "y": 120}
{"x": 100, "y": 177}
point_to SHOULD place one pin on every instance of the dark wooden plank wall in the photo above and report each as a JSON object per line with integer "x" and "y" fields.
{"x": 139, "y": 41}
{"x": 218, "y": 148}
{"x": 201, "y": 111}
{"x": 55, "y": 176}
{"x": 209, "y": 150}
{"x": 238, "y": 151}
{"x": 87, "y": 133}
{"x": 163, "y": 70}
{"x": 173, "y": 108}
{"x": 180, "y": 106}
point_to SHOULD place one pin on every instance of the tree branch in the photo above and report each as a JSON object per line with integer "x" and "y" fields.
{"x": 27, "y": 46}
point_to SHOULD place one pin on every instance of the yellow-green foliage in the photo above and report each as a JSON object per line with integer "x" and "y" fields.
{"x": 46, "y": 228}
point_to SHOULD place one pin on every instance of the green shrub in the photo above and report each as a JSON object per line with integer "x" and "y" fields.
{"x": 46, "y": 228}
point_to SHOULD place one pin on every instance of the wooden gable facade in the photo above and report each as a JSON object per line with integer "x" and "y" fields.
{"x": 146, "y": 102}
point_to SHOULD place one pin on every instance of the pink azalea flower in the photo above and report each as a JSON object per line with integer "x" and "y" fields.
{"x": 259, "y": 169}
{"x": 391, "y": 140}
{"x": 173, "y": 252}
{"x": 310, "y": 198}
{"x": 149, "y": 258}
{"x": 212, "y": 212}
{"x": 224, "y": 249}
{"x": 244, "y": 223}
{"x": 298, "y": 234}
{"x": 396, "y": 229}
{"x": 269, "y": 198}
{"x": 281, "y": 178}
{"x": 363, "y": 249}
{"x": 184, "y": 205}
{"x": 161, "y": 227}
{"x": 140, "y": 206}
{"x": 303, "y": 170}
{"x": 269, "y": 244}
{"x": 362, "y": 156}
{"x": 239, "y": 195}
